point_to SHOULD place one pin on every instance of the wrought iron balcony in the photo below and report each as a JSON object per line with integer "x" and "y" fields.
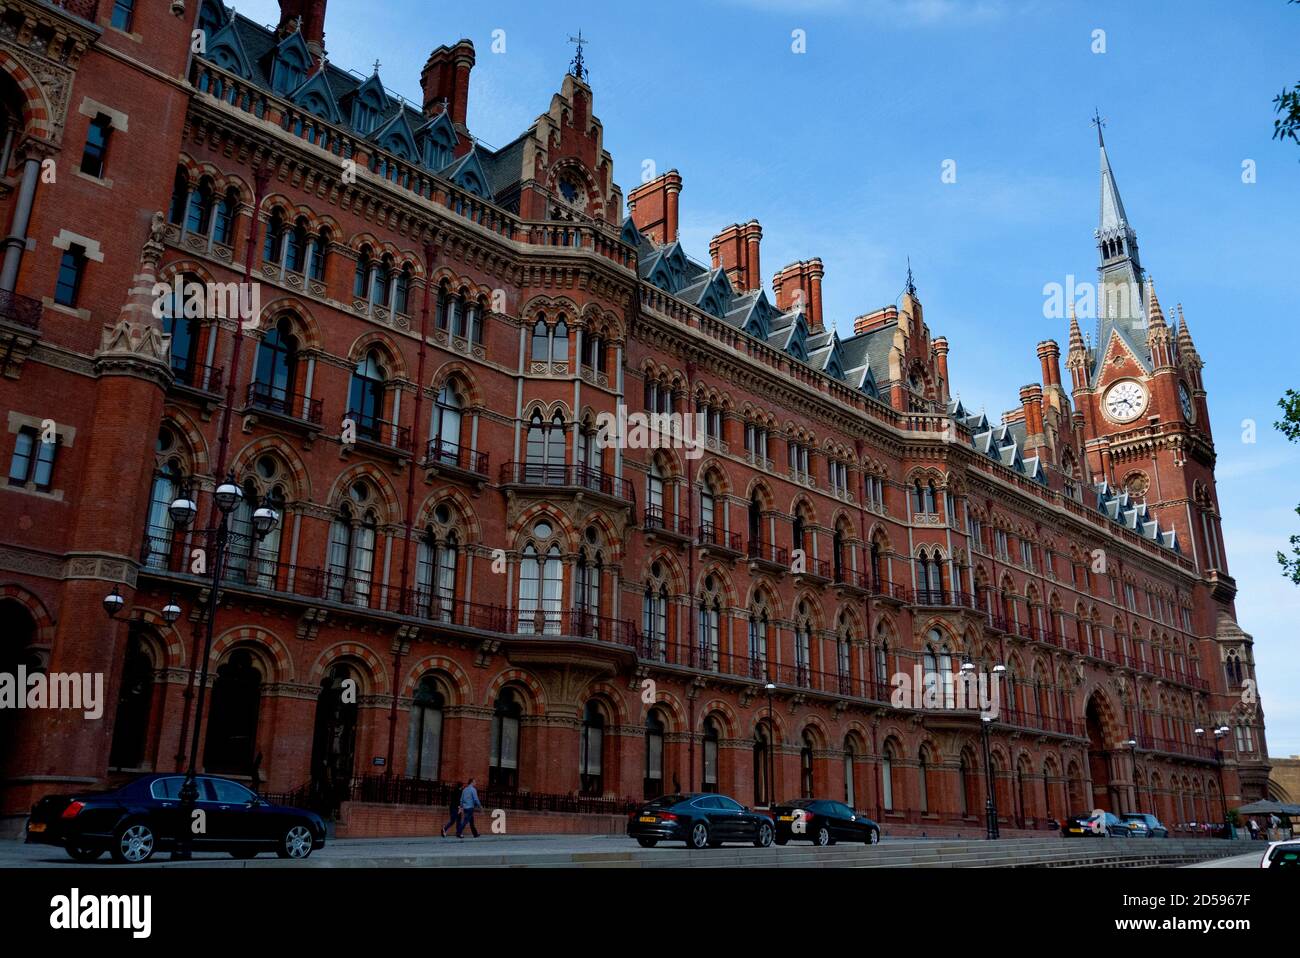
{"x": 656, "y": 520}
{"x": 565, "y": 476}
{"x": 380, "y": 433}
{"x": 281, "y": 402}
{"x": 455, "y": 456}
{"x": 769, "y": 553}
{"x": 205, "y": 379}
{"x": 711, "y": 535}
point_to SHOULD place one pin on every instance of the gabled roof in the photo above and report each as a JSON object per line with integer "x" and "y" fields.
{"x": 1111, "y": 329}
{"x": 226, "y": 48}
{"x": 468, "y": 173}
{"x": 396, "y": 136}
{"x": 317, "y": 96}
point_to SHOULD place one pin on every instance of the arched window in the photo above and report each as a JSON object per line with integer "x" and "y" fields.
{"x": 447, "y": 413}
{"x": 424, "y": 738}
{"x": 654, "y": 499}
{"x": 273, "y": 250}
{"x": 381, "y": 281}
{"x": 654, "y": 613}
{"x": 435, "y": 569}
{"x": 198, "y": 215}
{"x": 708, "y": 519}
{"x": 361, "y": 278}
{"x": 366, "y": 397}
{"x": 276, "y": 369}
{"x": 560, "y": 343}
{"x": 231, "y": 742}
{"x": 541, "y": 346}
{"x": 806, "y": 766}
{"x": 295, "y": 246}
{"x": 545, "y": 451}
{"x": 223, "y": 227}
{"x": 802, "y": 644}
{"x": 653, "y": 785}
{"x": 402, "y": 290}
{"x": 850, "y": 786}
{"x": 923, "y": 781}
{"x": 709, "y": 625}
{"x": 887, "y": 777}
{"x": 711, "y": 739}
{"x": 758, "y": 643}
{"x": 755, "y": 526}
{"x": 503, "y": 757}
{"x": 318, "y": 254}
{"x": 591, "y": 750}
{"x": 180, "y": 196}
{"x": 352, "y": 548}
{"x": 334, "y": 738}
{"x": 541, "y": 583}
{"x": 589, "y": 573}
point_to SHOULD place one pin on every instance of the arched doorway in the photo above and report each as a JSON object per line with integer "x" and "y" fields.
{"x": 232, "y": 721}
{"x": 1098, "y": 756}
{"x": 334, "y": 738}
{"x": 134, "y": 704}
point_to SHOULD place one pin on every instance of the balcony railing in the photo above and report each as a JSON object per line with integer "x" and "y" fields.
{"x": 380, "y": 432}
{"x": 656, "y": 519}
{"x": 1047, "y": 723}
{"x": 284, "y": 403}
{"x": 769, "y": 552}
{"x": 440, "y": 453}
{"x": 208, "y": 379}
{"x": 567, "y": 476}
{"x": 853, "y": 578}
{"x": 818, "y": 568}
{"x": 944, "y": 597}
{"x": 20, "y": 310}
{"x": 710, "y": 534}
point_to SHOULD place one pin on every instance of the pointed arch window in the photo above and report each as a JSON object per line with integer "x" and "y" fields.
{"x": 352, "y": 549}
{"x": 180, "y": 196}
{"x": 653, "y": 785}
{"x": 711, "y": 741}
{"x": 295, "y": 246}
{"x": 273, "y": 249}
{"x": 758, "y": 643}
{"x": 541, "y": 583}
{"x": 591, "y": 750}
{"x": 545, "y": 451}
{"x": 424, "y": 738}
{"x": 435, "y": 573}
{"x": 318, "y": 253}
{"x": 366, "y": 397}
{"x": 447, "y": 420}
{"x": 589, "y": 574}
{"x": 276, "y": 368}
{"x": 503, "y": 755}
{"x": 198, "y": 214}
{"x": 654, "y": 619}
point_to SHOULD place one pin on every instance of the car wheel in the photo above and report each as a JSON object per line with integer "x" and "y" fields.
{"x": 244, "y": 853}
{"x": 823, "y": 836}
{"x": 133, "y": 843}
{"x": 84, "y": 854}
{"x": 296, "y": 842}
{"x": 647, "y": 842}
{"x": 699, "y": 836}
{"x": 764, "y": 837}
{"x": 873, "y": 837}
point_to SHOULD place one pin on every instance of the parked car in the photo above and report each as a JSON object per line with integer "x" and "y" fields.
{"x": 144, "y": 816}
{"x": 1095, "y": 825}
{"x": 822, "y": 822}
{"x": 1281, "y": 855}
{"x": 1142, "y": 825}
{"x": 700, "y": 820}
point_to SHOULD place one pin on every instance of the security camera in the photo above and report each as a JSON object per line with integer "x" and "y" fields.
{"x": 178, "y": 8}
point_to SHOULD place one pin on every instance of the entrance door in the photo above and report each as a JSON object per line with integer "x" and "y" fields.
{"x": 1098, "y": 759}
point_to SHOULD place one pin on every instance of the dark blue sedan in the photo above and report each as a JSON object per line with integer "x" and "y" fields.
{"x": 145, "y": 816}
{"x": 700, "y": 820}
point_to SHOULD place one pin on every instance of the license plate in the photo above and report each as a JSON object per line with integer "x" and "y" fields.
{"x": 1077, "y": 831}
{"x": 649, "y": 818}
{"x": 36, "y": 826}
{"x": 787, "y": 818}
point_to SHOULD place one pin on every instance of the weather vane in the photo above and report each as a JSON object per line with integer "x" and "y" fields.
{"x": 578, "y": 67}
{"x": 1098, "y": 121}
{"x": 911, "y": 286}
{"x": 377, "y": 66}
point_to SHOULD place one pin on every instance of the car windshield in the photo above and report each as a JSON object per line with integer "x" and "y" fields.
{"x": 1130, "y": 817}
{"x": 802, "y": 803}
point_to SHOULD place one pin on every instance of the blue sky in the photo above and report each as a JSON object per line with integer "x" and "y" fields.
{"x": 838, "y": 153}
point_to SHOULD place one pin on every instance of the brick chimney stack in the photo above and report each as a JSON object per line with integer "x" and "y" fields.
{"x": 312, "y": 14}
{"x": 800, "y": 285}
{"x": 940, "y": 349}
{"x": 1031, "y": 398}
{"x": 653, "y": 207}
{"x": 735, "y": 252}
{"x": 1049, "y": 356}
{"x": 446, "y": 76}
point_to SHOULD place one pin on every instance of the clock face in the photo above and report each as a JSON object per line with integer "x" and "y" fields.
{"x": 1125, "y": 401}
{"x": 1185, "y": 400}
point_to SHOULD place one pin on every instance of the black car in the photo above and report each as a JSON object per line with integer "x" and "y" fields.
{"x": 1095, "y": 825}
{"x": 823, "y": 822}
{"x": 700, "y": 820}
{"x": 138, "y": 819}
{"x": 1142, "y": 825}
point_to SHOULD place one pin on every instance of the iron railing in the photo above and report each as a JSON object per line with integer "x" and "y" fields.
{"x": 20, "y": 310}
{"x": 380, "y": 432}
{"x": 461, "y": 457}
{"x": 567, "y": 476}
{"x": 284, "y": 403}
{"x": 710, "y": 534}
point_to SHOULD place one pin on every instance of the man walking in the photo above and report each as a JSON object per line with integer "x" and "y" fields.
{"x": 453, "y": 812}
{"x": 468, "y": 803}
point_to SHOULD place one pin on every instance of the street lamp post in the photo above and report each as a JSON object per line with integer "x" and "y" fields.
{"x": 183, "y": 509}
{"x": 990, "y": 807}
{"x": 771, "y": 746}
{"x": 1219, "y": 734}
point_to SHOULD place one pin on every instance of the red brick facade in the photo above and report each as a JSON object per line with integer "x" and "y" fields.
{"x": 408, "y": 559}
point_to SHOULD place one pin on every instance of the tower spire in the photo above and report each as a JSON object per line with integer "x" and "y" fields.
{"x": 1120, "y": 292}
